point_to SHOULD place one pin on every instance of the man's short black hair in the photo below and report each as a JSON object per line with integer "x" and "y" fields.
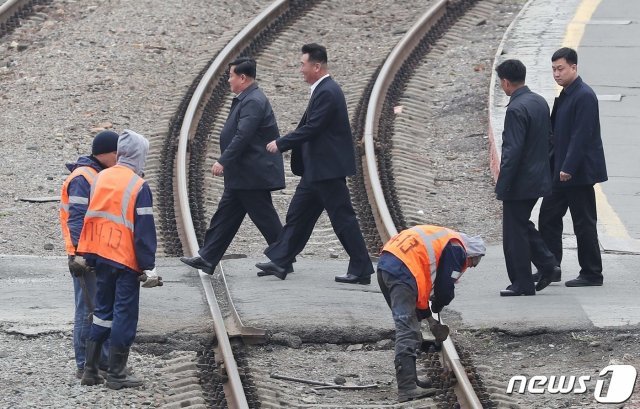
{"x": 512, "y": 70}
{"x": 317, "y": 53}
{"x": 569, "y": 54}
{"x": 244, "y": 65}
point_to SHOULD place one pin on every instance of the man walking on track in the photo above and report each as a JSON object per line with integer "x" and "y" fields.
{"x": 250, "y": 172}
{"x": 323, "y": 154}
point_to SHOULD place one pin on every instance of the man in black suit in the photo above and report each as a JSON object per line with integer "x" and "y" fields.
{"x": 578, "y": 163}
{"x": 323, "y": 154}
{"x": 250, "y": 173}
{"x": 525, "y": 176}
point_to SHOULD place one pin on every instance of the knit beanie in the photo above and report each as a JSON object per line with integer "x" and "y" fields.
{"x": 105, "y": 142}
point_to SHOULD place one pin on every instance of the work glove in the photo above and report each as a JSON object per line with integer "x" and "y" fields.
{"x": 439, "y": 330}
{"x": 435, "y": 305}
{"x": 150, "y": 278}
{"x": 78, "y": 266}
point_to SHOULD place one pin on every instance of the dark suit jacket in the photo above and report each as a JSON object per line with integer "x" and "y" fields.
{"x": 322, "y": 143}
{"x": 577, "y": 143}
{"x": 251, "y": 125}
{"x": 525, "y": 172}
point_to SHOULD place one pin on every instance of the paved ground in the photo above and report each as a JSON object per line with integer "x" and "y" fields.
{"x": 37, "y": 297}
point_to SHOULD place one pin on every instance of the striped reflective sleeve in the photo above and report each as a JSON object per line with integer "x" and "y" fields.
{"x": 102, "y": 323}
{"x": 78, "y": 200}
{"x": 142, "y": 211}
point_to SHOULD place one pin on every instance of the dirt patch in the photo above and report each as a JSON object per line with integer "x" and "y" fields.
{"x": 499, "y": 356}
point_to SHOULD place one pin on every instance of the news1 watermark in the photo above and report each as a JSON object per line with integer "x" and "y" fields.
{"x": 614, "y": 384}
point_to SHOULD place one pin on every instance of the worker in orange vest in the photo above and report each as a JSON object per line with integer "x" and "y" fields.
{"x": 119, "y": 240}
{"x": 74, "y": 199}
{"x": 419, "y": 265}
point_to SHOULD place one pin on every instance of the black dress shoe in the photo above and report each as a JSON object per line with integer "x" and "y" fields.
{"x": 512, "y": 293}
{"x": 543, "y": 283}
{"x": 582, "y": 282}
{"x": 273, "y": 269}
{"x": 555, "y": 275}
{"x": 351, "y": 279}
{"x": 288, "y": 270}
{"x": 199, "y": 263}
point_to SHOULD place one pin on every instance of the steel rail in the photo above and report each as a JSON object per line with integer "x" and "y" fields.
{"x": 10, "y": 9}
{"x": 382, "y": 216}
{"x": 233, "y": 389}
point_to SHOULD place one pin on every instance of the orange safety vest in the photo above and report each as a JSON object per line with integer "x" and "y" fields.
{"x": 108, "y": 224}
{"x": 89, "y": 174}
{"x": 420, "y": 248}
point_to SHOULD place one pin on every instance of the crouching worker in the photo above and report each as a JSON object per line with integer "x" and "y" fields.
{"x": 119, "y": 240}
{"x": 415, "y": 265}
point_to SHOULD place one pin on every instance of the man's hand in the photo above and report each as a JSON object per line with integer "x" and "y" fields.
{"x": 435, "y": 306}
{"x": 217, "y": 169}
{"x": 564, "y": 176}
{"x": 150, "y": 278}
{"x": 272, "y": 147}
{"x": 78, "y": 266}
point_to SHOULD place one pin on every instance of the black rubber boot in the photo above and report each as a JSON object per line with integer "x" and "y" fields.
{"x": 117, "y": 376}
{"x": 423, "y": 381}
{"x": 90, "y": 376}
{"x": 406, "y": 377}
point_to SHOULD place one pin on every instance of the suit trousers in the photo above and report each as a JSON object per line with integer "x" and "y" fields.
{"x": 581, "y": 201}
{"x": 234, "y": 205}
{"x": 306, "y": 206}
{"x": 523, "y": 244}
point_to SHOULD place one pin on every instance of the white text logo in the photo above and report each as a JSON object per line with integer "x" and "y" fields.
{"x": 621, "y": 383}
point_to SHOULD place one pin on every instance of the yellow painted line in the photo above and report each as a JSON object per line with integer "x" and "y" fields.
{"x": 575, "y": 29}
{"x": 607, "y": 217}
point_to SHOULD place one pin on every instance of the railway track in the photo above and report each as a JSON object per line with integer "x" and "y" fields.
{"x": 13, "y": 12}
{"x": 381, "y": 201}
{"x": 197, "y": 121}
{"x": 400, "y": 66}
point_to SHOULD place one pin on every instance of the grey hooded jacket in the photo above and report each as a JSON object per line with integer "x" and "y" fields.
{"x": 132, "y": 151}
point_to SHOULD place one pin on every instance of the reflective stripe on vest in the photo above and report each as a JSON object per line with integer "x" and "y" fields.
{"x": 420, "y": 249}
{"x": 89, "y": 174}
{"x": 426, "y": 242}
{"x": 109, "y": 223}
